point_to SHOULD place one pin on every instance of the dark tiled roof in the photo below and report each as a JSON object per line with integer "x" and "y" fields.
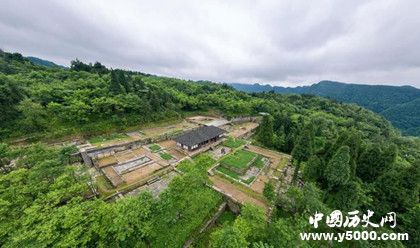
{"x": 199, "y": 135}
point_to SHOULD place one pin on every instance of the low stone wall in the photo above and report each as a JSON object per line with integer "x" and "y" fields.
{"x": 101, "y": 152}
{"x": 239, "y": 120}
{"x": 208, "y": 223}
{"x": 110, "y": 150}
{"x": 247, "y": 134}
{"x": 76, "y": 157}
{"x": 233, "y": 206}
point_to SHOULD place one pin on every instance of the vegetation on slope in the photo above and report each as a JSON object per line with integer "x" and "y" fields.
{"x": 43, "y": 205}
{"x": 378, "y": 98}
{"x": 43, "y": 62}
{"x": 42, "y": 199}
{"x": 405, "y": 116}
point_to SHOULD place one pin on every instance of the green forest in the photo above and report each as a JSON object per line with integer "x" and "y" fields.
{"x": 396, "y": 103}
{"x": 348, "y": 157}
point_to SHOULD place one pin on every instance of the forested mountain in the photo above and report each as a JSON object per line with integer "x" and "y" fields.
{"x": 349, "y": 158}
{"x": 43, "y": 62}
{"x": 405, "y": 116}
{"x": 378, "y": 98}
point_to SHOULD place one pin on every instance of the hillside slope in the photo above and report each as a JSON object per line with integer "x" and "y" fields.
{"x": 378, "y": 98}
{"x": 405, "y": 116}
{"x": 43, "y": 62}
{"x": 351, "y": 157}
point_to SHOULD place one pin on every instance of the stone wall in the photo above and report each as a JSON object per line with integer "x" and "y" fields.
{"x": 239, "y": 120}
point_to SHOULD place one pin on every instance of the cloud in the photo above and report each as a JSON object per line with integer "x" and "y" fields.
{"x": 279, "y": 42}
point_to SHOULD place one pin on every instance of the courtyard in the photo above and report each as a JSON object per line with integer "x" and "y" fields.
{"x": 145, "y": 159}
{"x": 131, "y": 166}
{"x": 243, "y": 172}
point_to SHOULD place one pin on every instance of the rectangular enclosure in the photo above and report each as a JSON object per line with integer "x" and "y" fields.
{"x": 131, "y": 165}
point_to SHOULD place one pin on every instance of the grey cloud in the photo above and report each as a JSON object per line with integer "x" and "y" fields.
{"x": 279, "y": 42}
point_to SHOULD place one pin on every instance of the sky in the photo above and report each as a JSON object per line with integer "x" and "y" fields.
{"x": 285, "y": 43}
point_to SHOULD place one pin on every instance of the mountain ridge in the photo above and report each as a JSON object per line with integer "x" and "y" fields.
{"x": 43, "y": 62}
{"x": 378, "y": 98}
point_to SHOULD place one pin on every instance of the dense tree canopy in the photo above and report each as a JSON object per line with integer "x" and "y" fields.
{"x": 351, "y": 159}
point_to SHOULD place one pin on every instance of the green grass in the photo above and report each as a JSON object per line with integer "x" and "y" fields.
{"x": 103, "y": 138}
{"x": 155, "y": 147}
{"x": 249, "y": 180}
{"x": 240, "y": 159}
{"x": 258, "y": 162}
{"x": 245, "y": 189}
{"x": 234, "y": 175}
{"x": 104, "y": 186}
{"x": 228, "y": 172}
{"x": 233, "y": 143}
{"x": 165, "y": 156}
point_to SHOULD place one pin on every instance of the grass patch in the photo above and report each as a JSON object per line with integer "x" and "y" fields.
{"x": 249, "y": 180}
{"x": 258, "y": 162}
{"x": 104, "y": 186}
{"x": 103, "y": 138}
{"x": 155, "y": 147}
{"x": 165, "y": 156}
{"x": 227, "y": 172}
{"x": 234, "y": 175}
{"x": 244, "y": 189}
{"x": 240, "y": 159}
{"x": 233, "y": 143}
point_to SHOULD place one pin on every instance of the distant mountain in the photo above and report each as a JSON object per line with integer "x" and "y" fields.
{"x": 399, "y": 104}
{"x": 406, "y": 116}
{"x": 43, "y": 62}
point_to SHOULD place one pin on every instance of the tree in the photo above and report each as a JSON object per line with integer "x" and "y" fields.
{"x": 182, "y": 208}
{"x": 249, "y": 227}
{"x": 78, "y": 112}
{"x": 99, "y": 68}
{"x": 374, "y": 161}
{"x": 314, "y": 169}
{"x": 228, "y": 237}
{"x": 278, "y": 140}
{"x": 410, "y": 224}
{"x": 347, "y": 197}
{"x": 10, "y": 95}
{"x": 33, "y": 115}
{"x": 302, "y": 151}
{"x": 261, "y": 245}
{"x": 265, "y": 133}
{"x": 269, "y": 192}
{"x": 114, "y": 85}
{"x": 397, "y": 189}
{"x": 4, "y": 157}
{"x": 288, "y": 143}
{"x": 252, "y": 222}
{"x": 300, "y": 201}
{"x": 354, "y": 142}
{"x": 282, "y": 232}
{"x": 78, "y": 65}
{"x": 138, "y": 85}
{"x": 337, "y": 171}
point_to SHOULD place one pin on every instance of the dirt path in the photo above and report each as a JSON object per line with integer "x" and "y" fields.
{"x": 232, "y": 190}
{"x": 268, "y": 153}
{"x": 242, "y": 129}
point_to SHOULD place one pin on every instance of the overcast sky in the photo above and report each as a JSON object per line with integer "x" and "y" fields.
{"x": 285, "y": 43}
